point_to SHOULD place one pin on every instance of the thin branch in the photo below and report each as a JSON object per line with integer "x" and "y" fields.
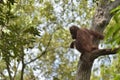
{"x": 2, "y": 74}
{"x": 16, "y": 70}
{"x": 43, "y": 53}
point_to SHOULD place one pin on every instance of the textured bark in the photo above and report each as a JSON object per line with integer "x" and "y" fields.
{"x": 102, "y": 52}
{"x": 84, "y": 71}
{"x": 84, "y": 67}
{"x": 86, "y": 62}
{"x": 101, "y": 19}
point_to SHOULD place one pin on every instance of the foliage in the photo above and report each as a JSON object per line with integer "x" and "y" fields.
{"x": 113, "y": 29}
{"x": 113, "y": 38}
{"x": 18, "y": 32}
{"x": 34, "y": 37}
{"x": 110, "y": 70}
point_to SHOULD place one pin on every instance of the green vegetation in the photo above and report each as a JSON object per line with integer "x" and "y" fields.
{"x": 35, "y": 39}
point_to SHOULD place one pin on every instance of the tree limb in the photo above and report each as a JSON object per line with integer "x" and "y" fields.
{"x": 113, "y": 5}
{"x": 100, "y": 21}
{"x": 3, "y": 74}
{"x": 102, "y": 52}
{"x": 41, "y": 53}
{"x": 103, "y": 16}
{"x": 8, "y": 69}
{"x": 16, "y": 71}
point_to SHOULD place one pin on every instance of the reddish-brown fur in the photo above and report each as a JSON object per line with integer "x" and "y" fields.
{"x": 84, "y": 39}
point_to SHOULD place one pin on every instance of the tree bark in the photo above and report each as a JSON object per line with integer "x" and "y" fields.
{"x": 8, "y": 69}
{"x": 84, "y": 71}
{"x": 23, "y": 64}
{"x": 84, "y": 67}
{"x": 100, "y": 20}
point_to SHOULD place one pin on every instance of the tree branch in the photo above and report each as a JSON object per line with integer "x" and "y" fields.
{"x": 8, "y": 69}
{"x": 23, "y": 64}
{"x": 102, "y": 52}
{"x": 100, "y": 20}
{"x": 16, "y": 71}
{"x": 113, "y": 5}
{"x": 3, "y": 75}
{"x": 41, "y": 53}
{"x": 103, "y": 16}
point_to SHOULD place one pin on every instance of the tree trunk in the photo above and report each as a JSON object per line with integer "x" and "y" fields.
{"x": 23, "y": 64}
{"x": 8, "y": 69}
{"x": 101, "y": 19}
{"x": 84, "y": 68}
